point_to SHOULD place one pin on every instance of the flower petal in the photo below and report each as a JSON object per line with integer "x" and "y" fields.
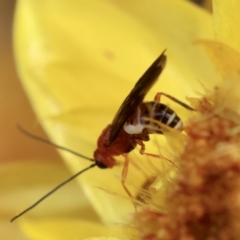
{"x": 226, "y": 20}
{"x": 55, "y": 229}
{"x": 18, "y": 193}
{"x": 225, "y": 59}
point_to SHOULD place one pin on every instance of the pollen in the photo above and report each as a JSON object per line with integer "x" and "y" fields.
{"x": 202, "y": 200}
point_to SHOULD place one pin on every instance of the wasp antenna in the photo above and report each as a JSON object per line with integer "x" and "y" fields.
{"x": 51, "y": 192}
{"x": 37, "y": 138}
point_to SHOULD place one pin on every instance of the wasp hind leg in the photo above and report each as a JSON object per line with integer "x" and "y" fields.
{"x": 158, "y": 97}
{"x": 142, "y": 150}
{"x": 144, "y": 136}
{"x": 124, "y": 176}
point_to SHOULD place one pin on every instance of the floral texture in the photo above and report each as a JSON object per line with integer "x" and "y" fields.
{"x": 201, "y": 200}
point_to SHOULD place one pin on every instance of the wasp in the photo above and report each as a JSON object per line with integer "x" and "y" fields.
{"x": 129, "y": 127}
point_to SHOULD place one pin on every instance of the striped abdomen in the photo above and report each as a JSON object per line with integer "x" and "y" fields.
{"x": 156, "y": 111}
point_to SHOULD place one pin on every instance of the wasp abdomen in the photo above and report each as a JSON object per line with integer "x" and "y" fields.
{"x": 154, "y": 110}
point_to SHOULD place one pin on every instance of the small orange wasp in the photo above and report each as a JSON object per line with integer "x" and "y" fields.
{"x": 129, "y": 127}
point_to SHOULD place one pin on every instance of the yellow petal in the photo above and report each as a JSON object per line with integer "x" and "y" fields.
{"x": 25, "y": 182}
{"x": 226, "y": 20}
{"x": 67, "y": 229}
{"x": 225, "y": 59}
{"x": 79, "y": 59}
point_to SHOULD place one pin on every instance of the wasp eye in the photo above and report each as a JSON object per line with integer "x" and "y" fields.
{"x": 101, "y": 165}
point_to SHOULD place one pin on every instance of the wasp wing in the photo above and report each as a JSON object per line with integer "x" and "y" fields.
{"x": 136, "y": 96}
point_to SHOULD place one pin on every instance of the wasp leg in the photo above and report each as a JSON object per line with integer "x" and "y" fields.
{"x": 158, "y": 97}
{"x": 124, "y": 176}
{"x": 142, "y": 149}
{"x": 145, "y": 135}
{"x": 142, "y": 145}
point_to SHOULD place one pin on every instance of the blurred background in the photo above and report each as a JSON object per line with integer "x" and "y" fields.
{"x": 16, "y": 109}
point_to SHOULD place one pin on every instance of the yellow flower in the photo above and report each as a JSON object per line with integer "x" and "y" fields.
{"x": 79, "y": 59}
{"x": 202, "y": 200}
